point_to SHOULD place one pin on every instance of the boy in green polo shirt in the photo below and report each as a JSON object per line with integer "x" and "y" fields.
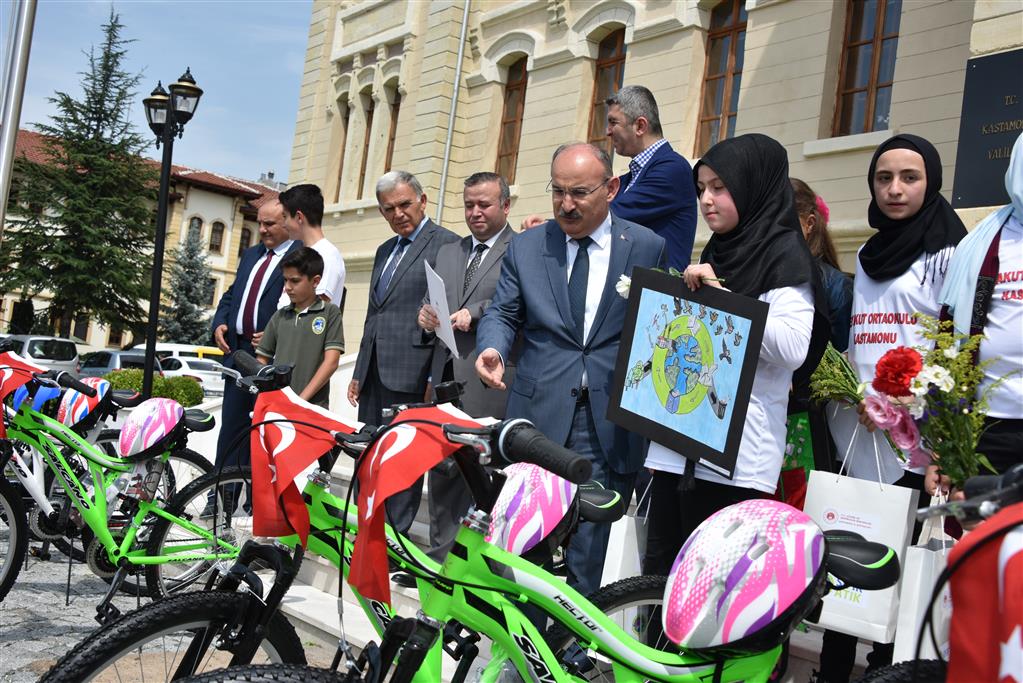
{"x": 308, "y": 333}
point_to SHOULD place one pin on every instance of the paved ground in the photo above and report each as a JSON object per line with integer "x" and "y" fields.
{"x": 36, "y": 627}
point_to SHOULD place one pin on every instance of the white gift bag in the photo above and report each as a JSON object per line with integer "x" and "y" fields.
{"x": 879, "y": 512}
{"x": 921, "y": 567}
{"x": 626, "y": 546}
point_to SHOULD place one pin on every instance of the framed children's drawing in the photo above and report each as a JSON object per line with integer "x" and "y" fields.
{"x": 685, "y": 367}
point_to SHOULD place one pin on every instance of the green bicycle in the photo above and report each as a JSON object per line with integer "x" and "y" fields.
{"x": 93, "y": 484}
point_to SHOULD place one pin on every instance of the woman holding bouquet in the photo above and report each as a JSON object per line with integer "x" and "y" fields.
{"x": 757, "y": 249}
{"x": 899, "y": 272}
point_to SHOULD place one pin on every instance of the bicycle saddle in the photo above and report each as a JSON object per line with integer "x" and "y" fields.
{"x": 125, "y": 398}
{"x": 598, "y": 504}
{"x": 198, "y": 420}
{"x": 859, "y": 563}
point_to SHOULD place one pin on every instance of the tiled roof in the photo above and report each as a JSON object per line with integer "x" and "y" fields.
{"x": 30, "y": 145}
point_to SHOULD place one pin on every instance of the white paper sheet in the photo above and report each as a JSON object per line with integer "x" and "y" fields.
{"x": 439, "y": 302}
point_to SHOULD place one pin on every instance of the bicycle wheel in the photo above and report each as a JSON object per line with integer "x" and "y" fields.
{"x": 13, "y": 535}
{"x": 918, "y": 671}
{"x": 218, "y": 502}
{"x": 634, "y": 604}
{"x": 151, "y": 643}
{"x": 267, "y": 673}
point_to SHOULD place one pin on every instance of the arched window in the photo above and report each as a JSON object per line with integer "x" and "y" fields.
{"x": 217, "y": 237}
{"x": 195, "y": 228}
{"x": 868, "y": 66}
{"x": 608, "y": 79}
{"x": 246, "y": 240}
{"x": 722, "y": 74}
{"x": 368, "y": 109}
{"x": 345, "y": 121}
{"x": 511, "y": 120}
{"x": 394, "y": 98}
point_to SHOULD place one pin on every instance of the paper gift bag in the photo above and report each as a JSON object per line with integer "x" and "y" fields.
{"x": 878, "y": 512}
{"x": 626, "y": 546}
{"x": 923, "y": 562}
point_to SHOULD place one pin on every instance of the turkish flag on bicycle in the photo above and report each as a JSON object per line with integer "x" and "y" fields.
{"x": 281, "y": 450}
{"x": 14, "y": 372}
{"x": 404, "y": 453}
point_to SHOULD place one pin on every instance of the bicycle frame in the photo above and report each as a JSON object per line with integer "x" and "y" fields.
{"x": 47, "y": 439}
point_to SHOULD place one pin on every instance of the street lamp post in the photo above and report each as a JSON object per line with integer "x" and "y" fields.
{"x": 167, "y": 114}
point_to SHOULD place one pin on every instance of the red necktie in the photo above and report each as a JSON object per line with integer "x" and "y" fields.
{"x": 248, "y": 317}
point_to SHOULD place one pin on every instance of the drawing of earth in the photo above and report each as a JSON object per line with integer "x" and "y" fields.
{"x": 682, "y": 352}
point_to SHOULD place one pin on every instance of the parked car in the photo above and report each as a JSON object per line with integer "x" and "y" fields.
{"x": 205, "y": 372}
{"x": 99, "y": 363}
{"x": 166, "y": 350}
{"x": 52, "y": 353}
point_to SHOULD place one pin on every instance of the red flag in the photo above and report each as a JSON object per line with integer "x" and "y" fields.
{"x": 14, "y": 372}
{"x": 986, "y": 637}
{"x": 280, "y": 452}
{"x": 396, "y": 461}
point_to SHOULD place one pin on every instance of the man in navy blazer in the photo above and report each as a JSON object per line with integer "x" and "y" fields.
{"x": 570, "y": 317}
{"x": 234, "y": 331}
{"x": 658, "y": 191}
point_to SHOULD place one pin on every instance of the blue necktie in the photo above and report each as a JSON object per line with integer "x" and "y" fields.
{"x": 577, "y": 285}
{"x": 385, "y": 278}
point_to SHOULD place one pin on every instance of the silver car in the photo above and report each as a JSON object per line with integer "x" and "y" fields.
{"x": 205, "y": 372}
{"x": 100, "y": 363}
{"x": 52, "y": 353}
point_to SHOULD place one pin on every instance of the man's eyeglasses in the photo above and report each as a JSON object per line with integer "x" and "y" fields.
{"x": 576, "y": 193}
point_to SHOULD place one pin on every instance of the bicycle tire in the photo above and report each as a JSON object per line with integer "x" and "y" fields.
{"x": 232, "y": 522}
{"x": 157, "y": 635}
{"x": 13, "y": 535}
{"x": 271, "y": 673}
{"x": 916, "y": 671}
{"x": 634, "y": 604}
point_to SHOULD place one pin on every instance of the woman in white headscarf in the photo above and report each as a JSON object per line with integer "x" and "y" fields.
{"x": 983, "y": 294}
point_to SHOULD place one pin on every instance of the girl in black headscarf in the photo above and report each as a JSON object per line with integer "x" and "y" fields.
{"x": 900, "y": 270}
{"x": 758, "y": 250}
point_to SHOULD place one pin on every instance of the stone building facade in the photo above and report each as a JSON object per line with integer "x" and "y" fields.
{"x": 830, "y": 79}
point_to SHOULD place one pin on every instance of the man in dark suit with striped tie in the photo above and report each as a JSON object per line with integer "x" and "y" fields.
{"x": 241, "y": 315}
{"x": 394, "y": 356}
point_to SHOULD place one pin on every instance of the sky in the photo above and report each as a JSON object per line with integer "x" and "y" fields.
{"x": 247, "y": 56}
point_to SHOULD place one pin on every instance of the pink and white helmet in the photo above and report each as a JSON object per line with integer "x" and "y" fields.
{"x": 77, "y": 409}
{"x": 149, "y": 427}
{"x": 532, "y": 503}
{"x": 745, "y": 578}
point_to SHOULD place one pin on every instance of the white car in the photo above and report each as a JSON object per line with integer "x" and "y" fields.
{"x": 205, "y": 372}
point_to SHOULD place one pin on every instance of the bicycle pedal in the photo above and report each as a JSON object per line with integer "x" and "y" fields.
{"x": 107, "y": 613}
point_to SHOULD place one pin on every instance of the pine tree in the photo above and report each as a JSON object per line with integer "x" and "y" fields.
{"x": 183, "y": 320}
{"x": 87, "y": 236}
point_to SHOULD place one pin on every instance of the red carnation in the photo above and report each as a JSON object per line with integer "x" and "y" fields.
{"x": 896, "y": 370}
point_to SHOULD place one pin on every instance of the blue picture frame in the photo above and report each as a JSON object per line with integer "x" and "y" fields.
{"x": 685, "y": 367}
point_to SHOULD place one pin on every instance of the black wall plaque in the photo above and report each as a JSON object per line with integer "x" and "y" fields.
{"x": 991, "y": 120}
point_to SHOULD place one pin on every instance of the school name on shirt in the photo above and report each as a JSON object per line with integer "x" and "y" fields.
{"x": 880, "y": 318}
{"x": 1007, "y": 277}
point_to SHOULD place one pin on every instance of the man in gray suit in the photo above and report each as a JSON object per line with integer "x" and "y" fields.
{"x": 557, "y": 288}
{"x": 470, "y": 269}
{"x": 394, "y": 356}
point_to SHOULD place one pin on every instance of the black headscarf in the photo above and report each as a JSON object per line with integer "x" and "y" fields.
{"x": 899, "y": 243}
{"x": 766, "y": 250}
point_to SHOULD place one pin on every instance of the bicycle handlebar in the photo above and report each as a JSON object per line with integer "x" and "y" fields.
{"x": 254, "y": 377}
{"x": 519, "y": 441}
{"x": 68, "y": 382}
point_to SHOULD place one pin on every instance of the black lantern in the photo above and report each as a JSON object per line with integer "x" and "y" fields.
{"x": 156, "y": 109}
{"x": 184, "y": 97}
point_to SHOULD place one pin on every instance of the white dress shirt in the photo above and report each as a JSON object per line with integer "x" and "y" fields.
{"x": 278, "y": 253}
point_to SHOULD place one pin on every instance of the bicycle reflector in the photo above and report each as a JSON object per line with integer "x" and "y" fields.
{"x": 745, "y": 578}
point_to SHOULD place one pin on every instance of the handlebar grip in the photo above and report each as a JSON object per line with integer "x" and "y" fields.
{"x": 68, "y": 382}
{"x": 245, "y": 363}
{"x": 520, "y": 441}
{"x": 984, "y": 484}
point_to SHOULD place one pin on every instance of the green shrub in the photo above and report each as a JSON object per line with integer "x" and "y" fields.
{"x": 185, "y": 391}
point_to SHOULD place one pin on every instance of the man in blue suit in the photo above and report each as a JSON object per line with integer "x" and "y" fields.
{"x": 658, "y": 191}
{"x": 243, "y": 312}
{"x": 557, "y": 288}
